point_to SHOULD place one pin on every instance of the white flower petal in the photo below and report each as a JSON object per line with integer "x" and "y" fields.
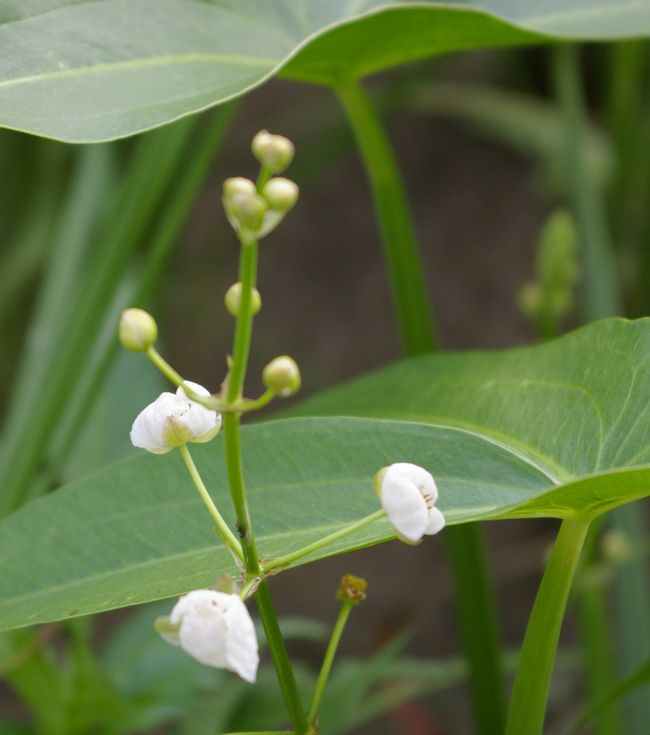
{"x": 436, "y": 522}
{"x": 172, "y": 420}
{"x": 404, "y": 505}
{"x": 216, "y": 629}
{"x": 242, "y": 654}
{"x": 408, "y": 494}
{"x": 416, "y": 474}
{"x": 148, "y": 428}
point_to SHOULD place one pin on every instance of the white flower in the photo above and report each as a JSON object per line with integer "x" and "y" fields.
{"x": 173, "y": 420}
{"x": 408, "y": 494}
{"x": 216, "y": 629}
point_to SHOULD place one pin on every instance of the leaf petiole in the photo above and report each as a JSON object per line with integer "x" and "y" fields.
{"x": 282, "y": 562}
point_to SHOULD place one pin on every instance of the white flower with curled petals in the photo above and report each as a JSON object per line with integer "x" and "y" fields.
{"x": 173, "y": 420}
{"x": 216, "y": 629}
{"x": 408, "y": 494}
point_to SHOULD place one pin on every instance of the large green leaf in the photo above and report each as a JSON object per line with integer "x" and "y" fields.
{"x": 83, "y": 70}
{"x": 542, "y": 431}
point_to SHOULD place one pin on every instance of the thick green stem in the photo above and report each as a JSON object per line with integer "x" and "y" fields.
{"x": 281, "y": 660}
{"x": 533, "y": 679}
{"x": 475, "y": 599}
{"x": 330, "y": 653}
{"x": 408, "y": 286}
{"x": 236, "y": 377}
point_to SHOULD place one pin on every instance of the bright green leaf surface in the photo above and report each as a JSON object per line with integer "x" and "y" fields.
{"x": 575, "y": 406}
{"x": 540, "y": 431}
{"x": 83, "y": 70}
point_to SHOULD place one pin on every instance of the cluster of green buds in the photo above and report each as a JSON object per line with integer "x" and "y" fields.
{"x": 254, "y": 209}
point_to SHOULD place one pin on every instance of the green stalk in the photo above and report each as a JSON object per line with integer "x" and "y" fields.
{"x": 602, "y": 298}
{"x": 627, "y": 124}
{"x": 281, "y": 562}
{"x": 164, "y": 237}
{"x": 399, "y": 240}
{"x": 596, "y": 638}
{"x": 533, "y": 679}
{"x": 474, "y": 596}
{"x": 222, "y": 528}
{"x": 328, "y": 660}
{"x": 236, "y": 377}
{"x": 601, "y": 293}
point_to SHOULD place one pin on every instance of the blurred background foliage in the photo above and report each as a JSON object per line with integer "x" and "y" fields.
{"x": 529, "y": 177}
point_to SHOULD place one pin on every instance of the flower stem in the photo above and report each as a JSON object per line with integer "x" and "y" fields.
{"x": 281, "y": 562}
{"x": 339, "y": 626}
{"x": 236, "y": 376}
{"x": 223, "y": 531}
{"x": 530, "y": 691}
{"x": 281, "y": 660}
{"x": 165, "y": 368}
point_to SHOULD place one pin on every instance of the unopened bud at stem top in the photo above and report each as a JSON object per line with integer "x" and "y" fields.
{"x": 233, "y": 300}
{"x": 137, "y": 330}
{"x": 274, "y": 152}
{"x": 280, "y": 193}
{"x": 238, "y": 185}
{"x": 282, "y": 376}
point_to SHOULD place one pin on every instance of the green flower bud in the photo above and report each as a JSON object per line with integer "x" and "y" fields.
{"x": 233, "y": 300}
{"x": 274, "y": 152}
{"x": 137, "y": 330}
{"x": 246, "y": 210}
{"x": 238, "y": 185}
{"x": 352, "y": 589}
{"x": 280, "y": 193}
{"x": 282, "y": 376}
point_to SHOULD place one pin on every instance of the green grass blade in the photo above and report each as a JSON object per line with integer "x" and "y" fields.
{"x": 164, "y": 236}
{"x": 638, "y": 678}
{"x": 153, "y": 166}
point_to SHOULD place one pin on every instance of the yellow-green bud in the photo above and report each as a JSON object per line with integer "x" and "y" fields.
{"x": 280, "y": 193}
{"x": 282, "y": 376}
{"x": 274, "y": 152}
{"x": 238, "y": 185}
{"x": 137, "y": 330}
{"x": 351, "y": 589}
{"x": 233, "y": 300}
{"x": 247, "y": 209}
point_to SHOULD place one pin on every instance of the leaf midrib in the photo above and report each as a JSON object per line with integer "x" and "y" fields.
{"x": 189, "y": 58}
